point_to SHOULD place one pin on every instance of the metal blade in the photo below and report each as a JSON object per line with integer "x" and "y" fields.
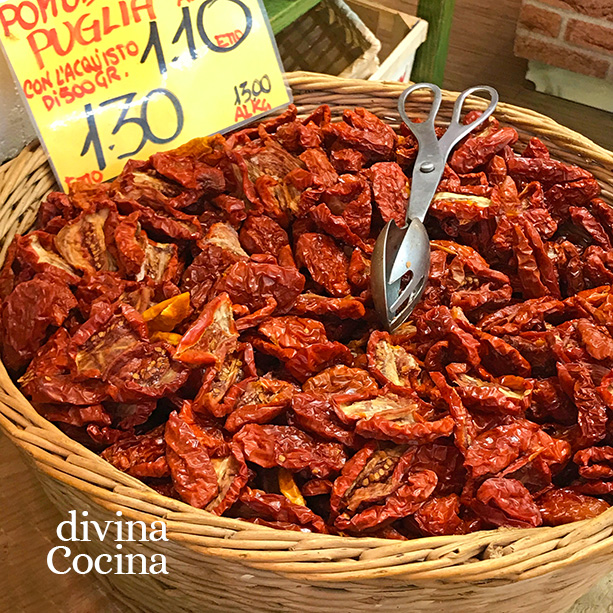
{"x": 412, "y": 253}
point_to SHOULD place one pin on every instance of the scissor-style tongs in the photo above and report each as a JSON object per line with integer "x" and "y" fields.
{"x": 401, "y": 257}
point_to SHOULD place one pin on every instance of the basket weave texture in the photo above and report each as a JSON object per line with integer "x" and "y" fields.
{"x": 224, "y": 565}
{"x": 332, "y": 39}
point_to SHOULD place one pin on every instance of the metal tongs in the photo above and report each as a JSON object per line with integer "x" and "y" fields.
{"x": 401, "y": 258}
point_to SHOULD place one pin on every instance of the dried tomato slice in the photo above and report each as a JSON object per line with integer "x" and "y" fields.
{"x": 390, "y": 189}
{"x": 252, "y": 283}
{"x": 257, "y": 400}
{"x": 104, "y": 337}
{"x": 140, "y": 456}
{"x": 344, "y": 383}
{"x": 316, "y": 413}
{"x": 211, "y": 337}
{"x": 82, "y": 242}
{"x": 145, "y": 371}
{"x": 401, "y": 419}
{"x": 279, "y": 512}
{"x": 261, "y": 234}
{"x": 166, "y": 315}
{"x": 377, "y": 487}
{"x": 28, "y": 316}
{"x": 391, "y": 364}
{"x": 347, "y": 307}
{"x": 286, "y": 446}
{"x": 37, "y": 250}
{"x": 559, "y": 506}
{"x": 325, "y": 261}
{"x": 506, "y": 502}
{"x": 440, "y": 516}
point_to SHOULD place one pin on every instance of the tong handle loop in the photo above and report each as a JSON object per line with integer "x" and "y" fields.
{"x": 457, "y": 130}
{"x": 418, "y": 127}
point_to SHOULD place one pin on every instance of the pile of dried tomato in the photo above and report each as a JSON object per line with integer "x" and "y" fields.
{"x": 205, "y": 322}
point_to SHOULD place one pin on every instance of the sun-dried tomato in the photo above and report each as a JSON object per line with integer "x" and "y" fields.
{"x": 325, "y": 261}
{"x": 37, "y": 251}
{"x": 528, "y": 315}
{"x": 390, "y": 190}
{"x": 29, "y": 315}
{"x": 365, "y": 132}
{"x": 251, "y": 283}
{"x": 336, "y": 226}
{"x": 391, "y": 364}
{"x": 344, "y": 383}
{"x": 496, "y": 449}
{"x": 549, "y": 402}
{"x": 296, "y": 136}
{"x": 401, "y": 419}
{"x": 546, "y": 170}
{"x": 82, "y": 242}
{"x": 576, "y": 380}
{"x": 286, "y": 446}
{"x": 478, "y": 150}
{"x": 579, "y": 192}
{"x": 191, "y": 469}
{"x": 211, "y": 337}
{"x": 218, "y": 380}
{"x": 595, "y": 463}
{"x": 536, "y": 148}
{"x": 268, "y": 166}
{"x": 140, "y": 183}
{"x": 350, "y": 198}
{"x": 48, "y": 378}
{"x": 261, "y": 234}
{"x": 220, "y": 249}
{"x": 280, "y": 511}
{"x": 440, "y": 516}
{"x": 189, "y": 171}
{"x": 347, "y": 160}
{"x": 311, "y": 304}
{"x": 316, "y": 487}
{"x": 377, "y": 486}
{"x": 319, "y": 165}
{"x": 293, "y": 332}
{"x": 462, "y": 278}
{"x": 257, "y": 400}
{"x": 233, "y": 208}
{"x": 289, "y": 489}
{"x": 145, "y": 371}
{"x": 506, "y": 502}
{"x": 140, "y": 456}
{"x": 559, "y": 506}
{"x": 446, "y": 460}
{"x": 359, "y": 270}
{"x": 75, "y": 416}
{"x": 465, "y": 430}
{"x": 315, "y": 412}
{"x": 509, "y": 395}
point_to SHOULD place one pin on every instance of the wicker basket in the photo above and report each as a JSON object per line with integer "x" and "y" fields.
{"x": 330, "y": 38}
{"x": 226, "y": 565}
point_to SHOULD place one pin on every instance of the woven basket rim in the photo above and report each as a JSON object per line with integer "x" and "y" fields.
{"x": 496, "y": 555}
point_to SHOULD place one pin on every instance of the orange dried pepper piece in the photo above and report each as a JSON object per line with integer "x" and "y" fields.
{"x": 164, "y": 316}
{"x": 288, "y": 487}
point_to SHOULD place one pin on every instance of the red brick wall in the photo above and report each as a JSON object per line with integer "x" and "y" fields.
{"x": 573, "y": 34}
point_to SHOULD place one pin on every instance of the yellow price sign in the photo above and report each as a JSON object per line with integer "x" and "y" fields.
{"x": 108, "y": 80}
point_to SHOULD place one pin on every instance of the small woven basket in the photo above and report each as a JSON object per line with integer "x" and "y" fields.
{"x": 332, "y": 39}
{"x": 227, "y": 565}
